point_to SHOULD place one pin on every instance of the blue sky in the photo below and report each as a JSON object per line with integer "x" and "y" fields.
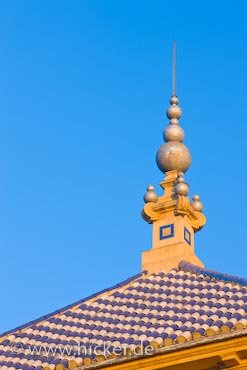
{"x": 84, "y": 87}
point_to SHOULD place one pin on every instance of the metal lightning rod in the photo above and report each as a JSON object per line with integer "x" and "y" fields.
{"x": 174, "y": 66}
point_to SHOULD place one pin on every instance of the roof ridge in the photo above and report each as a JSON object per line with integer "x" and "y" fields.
{"x": 186, "y": 266}
{"x": 121, "y": 284}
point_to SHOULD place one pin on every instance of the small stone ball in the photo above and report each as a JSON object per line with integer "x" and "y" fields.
{"x": 180, "y": 178}
{"x": 174, "y": 99}
{"x": 150, "y": 195}
{"x": 197, "y": 204}
{"x": 174, "y": 133}
{"x": 182, "y": 188}
{"x": 173, "y": 155}
{"x": 174, "y": 111}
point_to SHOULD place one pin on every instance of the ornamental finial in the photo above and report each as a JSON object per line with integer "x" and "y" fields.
{"x": 173, "y": 155}
{"x": 175, "y": 218}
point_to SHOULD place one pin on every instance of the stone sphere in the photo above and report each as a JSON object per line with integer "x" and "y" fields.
{"x": 173, "y": 156}
{"x": 174, "y": 111}
{"x": 174, "y": 133}
{"x": 150, "y": 195}
{"x": 197, "y": 204}
{"x": 182, "y": 188}
{"x": 150, "y": 187}
{"x": 174, "y": 99}
{"x": 196, "y": 197}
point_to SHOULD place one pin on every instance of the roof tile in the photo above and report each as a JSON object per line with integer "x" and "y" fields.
{"x": 157, "y": 309}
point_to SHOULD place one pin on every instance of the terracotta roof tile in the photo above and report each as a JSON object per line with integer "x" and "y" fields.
{"x": 156, "y": 309}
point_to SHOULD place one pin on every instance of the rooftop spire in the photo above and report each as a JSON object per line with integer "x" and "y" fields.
{"x": 174, "y": 216}
{"x": 174, "y": 155}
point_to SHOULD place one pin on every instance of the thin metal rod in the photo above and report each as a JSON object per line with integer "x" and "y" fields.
{"x": 174, "y": 67}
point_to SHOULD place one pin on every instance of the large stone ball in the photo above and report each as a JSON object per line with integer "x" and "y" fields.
{"x": 173, "y": 156}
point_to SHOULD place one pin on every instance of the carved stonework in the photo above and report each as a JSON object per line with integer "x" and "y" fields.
{"x": 170, "y": 202}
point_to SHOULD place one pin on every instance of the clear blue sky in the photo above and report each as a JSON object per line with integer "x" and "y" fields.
{"x": 84, "y": 86}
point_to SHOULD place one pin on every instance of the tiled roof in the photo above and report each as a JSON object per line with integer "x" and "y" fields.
{"x": 161, "y": 309}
